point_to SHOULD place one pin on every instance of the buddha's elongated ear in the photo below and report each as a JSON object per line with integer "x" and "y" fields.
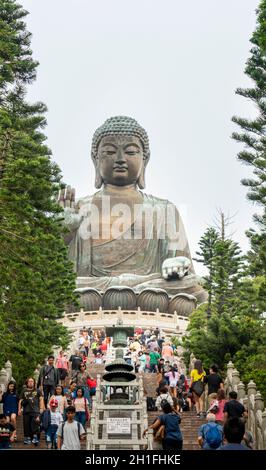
{"x": 141, "y": 181}
{"x": 98, "y": 179}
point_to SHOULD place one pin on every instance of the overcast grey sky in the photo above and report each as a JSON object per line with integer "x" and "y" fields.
{"x": 174, "y": 66}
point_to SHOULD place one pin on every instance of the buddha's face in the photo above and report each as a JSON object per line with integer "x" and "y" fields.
{"x": 120, "y": 159}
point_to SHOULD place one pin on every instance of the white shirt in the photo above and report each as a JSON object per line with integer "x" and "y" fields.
{"x": 56, "y": 417}
{"x": 71, "y": 436}
{"x": 160, "y": 398}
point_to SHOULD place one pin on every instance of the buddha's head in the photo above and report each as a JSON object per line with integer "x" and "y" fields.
{"x": 120, "y": 152}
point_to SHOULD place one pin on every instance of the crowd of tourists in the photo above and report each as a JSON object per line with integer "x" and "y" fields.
{"x": 225, "y": 426}
{"x": 59, "y": 402}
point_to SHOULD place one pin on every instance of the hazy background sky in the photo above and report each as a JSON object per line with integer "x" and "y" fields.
{"x": 174, "y": 66}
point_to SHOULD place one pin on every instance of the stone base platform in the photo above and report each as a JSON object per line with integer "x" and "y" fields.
{"x": 171, "y": 324}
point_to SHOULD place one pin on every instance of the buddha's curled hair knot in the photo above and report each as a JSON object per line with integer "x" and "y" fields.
{"x": 120, "y": 125}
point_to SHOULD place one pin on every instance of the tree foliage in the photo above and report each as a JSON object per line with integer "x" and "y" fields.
{"x": 36, "y": 279}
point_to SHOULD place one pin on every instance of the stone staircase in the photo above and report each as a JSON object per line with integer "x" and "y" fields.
{"x": 189, "y": 424}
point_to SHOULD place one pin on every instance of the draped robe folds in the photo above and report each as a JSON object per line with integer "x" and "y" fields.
{"x": 134, "y": 258}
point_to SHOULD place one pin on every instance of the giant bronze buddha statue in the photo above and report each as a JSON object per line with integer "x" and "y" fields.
{"x": 121, "y": 236}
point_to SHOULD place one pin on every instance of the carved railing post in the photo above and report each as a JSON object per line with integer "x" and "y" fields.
{"x": 251, "y": 424}
{"x": 89, "y": 439}
{"x": 241, "y": 393}
{"x": 150, "y": 439}
{"x": 263, "y": 428}
{"x": 252, "y": 389}
{"x": 37, "y": 372}
{"x": 3, "y": 379}
{"x": 230, "y": 369}
{"x": 81, "y": 315}
{"x": 98, "y": 387}
{"x": 259, "y": 406}
{"x": 141, "y": 389}
{"x": 245, "y": 402}
{"x": 235, "y": 379}
{"x": 8, "y": 367}
{"x": 228, "y": 379}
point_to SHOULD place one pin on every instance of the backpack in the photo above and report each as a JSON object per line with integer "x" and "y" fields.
{"x": 164, "y": 402}
{"x": 214, "y": 408}
{"x": 151, "y": 404}
{"x": 213, "y": 436}
{"x": 183, "y": 404}
{"x": 45, "y": 420}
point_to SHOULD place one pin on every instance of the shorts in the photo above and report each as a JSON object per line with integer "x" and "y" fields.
{"x": 5, "y": 445}
{"x": 173, "y": 384}
{"x": 9, "y": 413}
{"x": 63, "y": 373}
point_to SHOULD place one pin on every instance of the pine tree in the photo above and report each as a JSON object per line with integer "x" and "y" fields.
{"x": 240, "y": 292}
{"x": 206, "y": 255}
{"x": 36, "y": 279}
{"x": 224, "y": 261}
{"x": 254, "y": 139}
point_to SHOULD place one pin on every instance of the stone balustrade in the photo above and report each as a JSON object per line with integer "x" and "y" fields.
{"x": 170, "y": 323}
{"x": 250, "y": 397}
{"x": 252, "y": 400}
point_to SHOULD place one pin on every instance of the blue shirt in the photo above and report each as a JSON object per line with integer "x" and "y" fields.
{"x": 171, "y": 422}
{"x": 10, "y": 401}
{"x": 233, "y": 447}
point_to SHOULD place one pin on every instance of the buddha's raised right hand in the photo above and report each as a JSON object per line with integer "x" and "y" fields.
{"x": 66, "y": 197}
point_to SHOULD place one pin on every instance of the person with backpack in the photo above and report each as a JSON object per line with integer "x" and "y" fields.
{"x": 164, "y": 395}
{"x": 71, "y": 432}
{"x": 50, "y": 421}
{"x": 210, "y": 435}
{"x": 48, "y": 379}
{"x": 217, "y": 406}
{"x": 170, "y": 419}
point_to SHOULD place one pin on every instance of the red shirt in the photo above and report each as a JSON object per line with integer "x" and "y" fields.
{"x": 92, "y": 383}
